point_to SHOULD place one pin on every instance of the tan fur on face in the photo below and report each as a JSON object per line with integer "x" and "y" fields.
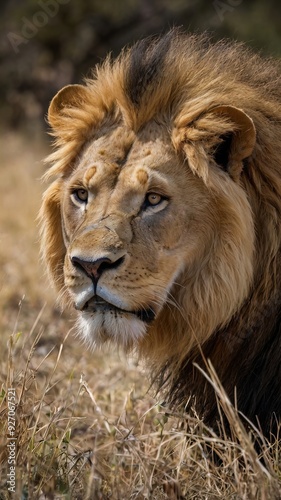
{"x": 142, "y": 177}
{"x": 88, "y": 177}
{"x": 200, "y": 125}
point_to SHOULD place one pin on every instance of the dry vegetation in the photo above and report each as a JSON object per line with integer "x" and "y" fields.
{"x": 86, "y": 426}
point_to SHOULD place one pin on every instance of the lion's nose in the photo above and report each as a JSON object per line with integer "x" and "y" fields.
{"x": 95, "y": 268}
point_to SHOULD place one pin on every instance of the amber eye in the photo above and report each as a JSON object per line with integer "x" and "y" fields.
{"x": 81, "y": 195}
{"x": 153, "y": 199}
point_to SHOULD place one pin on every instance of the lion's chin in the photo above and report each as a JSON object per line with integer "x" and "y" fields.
{"x": 101, "y": 327}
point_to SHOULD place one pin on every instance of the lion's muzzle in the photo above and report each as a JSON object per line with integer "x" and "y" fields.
{"x": 94, "y": 303}
{"x": 94, "y": 269}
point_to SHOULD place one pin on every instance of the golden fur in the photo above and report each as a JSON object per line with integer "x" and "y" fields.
{"x": 198, "y": 126}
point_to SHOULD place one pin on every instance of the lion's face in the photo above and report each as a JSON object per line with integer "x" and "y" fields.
{"x": 123, "y": 212}
{"x": 148, "y": 229}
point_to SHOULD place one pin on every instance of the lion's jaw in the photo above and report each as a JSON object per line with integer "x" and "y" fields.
{"x": 147, "y": 251}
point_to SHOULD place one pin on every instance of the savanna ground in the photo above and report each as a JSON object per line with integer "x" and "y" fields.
{"x": 87, "y": 425}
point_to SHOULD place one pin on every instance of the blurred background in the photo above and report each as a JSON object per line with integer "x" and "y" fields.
{"x": 46, "y": 44}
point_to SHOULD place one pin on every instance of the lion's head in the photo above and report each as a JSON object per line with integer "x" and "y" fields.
{"x": 160, "y": 228}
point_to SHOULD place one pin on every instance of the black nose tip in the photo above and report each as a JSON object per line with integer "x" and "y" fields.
{"x": 94, "y": 269}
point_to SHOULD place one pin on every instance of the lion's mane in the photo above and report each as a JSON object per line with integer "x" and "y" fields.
{"x": 176, "y": 79}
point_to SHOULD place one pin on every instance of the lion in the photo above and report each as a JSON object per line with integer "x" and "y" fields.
{"x": 162, "y": 222}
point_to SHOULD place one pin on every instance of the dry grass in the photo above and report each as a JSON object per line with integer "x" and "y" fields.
{"x": 86, "y": 426}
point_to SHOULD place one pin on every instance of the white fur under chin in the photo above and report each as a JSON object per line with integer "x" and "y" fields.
{"x": 98, "y": 328}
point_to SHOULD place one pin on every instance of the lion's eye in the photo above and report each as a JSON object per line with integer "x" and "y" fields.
{"x": 80, "y": 195}
{"x": 154, "y": 202}
{"x": 153, "y": 199}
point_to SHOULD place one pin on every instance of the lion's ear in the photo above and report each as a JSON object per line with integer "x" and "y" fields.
{"x": 224, "y": 133}
{"x": 65, "y": 101}
{"x": 236, "y": 145}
